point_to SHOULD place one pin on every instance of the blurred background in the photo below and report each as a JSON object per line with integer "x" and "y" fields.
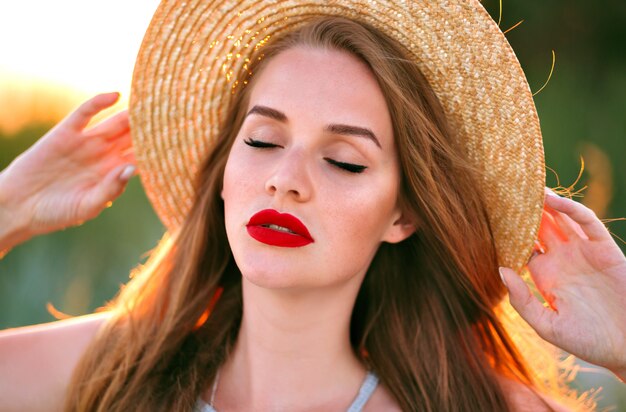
{"x": 53, "y": 55}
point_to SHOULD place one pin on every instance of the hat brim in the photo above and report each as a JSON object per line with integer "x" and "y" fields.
{"x": 189, "y": 62}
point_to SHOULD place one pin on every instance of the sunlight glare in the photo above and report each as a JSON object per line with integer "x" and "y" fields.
{"x": 56, "y": 54}
{"x": 87, "y": 45}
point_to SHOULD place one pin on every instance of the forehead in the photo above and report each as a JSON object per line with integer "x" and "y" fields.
{"x": 322, "y": 85}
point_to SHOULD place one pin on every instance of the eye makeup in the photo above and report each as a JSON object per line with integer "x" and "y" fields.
{"x": 348, "y": 167}
{"x": 259, "y": 144}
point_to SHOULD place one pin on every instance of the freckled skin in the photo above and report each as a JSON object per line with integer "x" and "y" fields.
{"x": 348, "y": 214}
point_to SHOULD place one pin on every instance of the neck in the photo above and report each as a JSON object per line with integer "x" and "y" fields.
{"x": 293, "y": 349}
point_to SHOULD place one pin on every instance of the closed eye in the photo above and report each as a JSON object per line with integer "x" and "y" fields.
{"x": 350, "y": 167}
{"x": 259, "y": 144}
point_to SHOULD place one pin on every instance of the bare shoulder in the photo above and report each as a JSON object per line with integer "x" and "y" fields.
{"x": 521, "y": 398}
{"x": 37, "y": 361}
{"x": 381, "y": 400}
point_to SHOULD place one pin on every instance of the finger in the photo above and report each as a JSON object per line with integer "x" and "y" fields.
{"x": 545, "y": 273}
{"x": 112, "y": 162}
{"x": 549, "y": 232}
{"x": 528, "y": 305}
{"x": 129, "y": 157}
{"x": 109, "y": 188}
{"x": 111, "y": 156}
{"x": 567, "y": 225}
{"x": 81, "y": 116}
{"x": 121, "y": 144}
{"x": 579, "y": 213}
{"x": 128, "y": 172}
{"x": 570, "y": 228}
{"x": 98, "y": 151}
{"x": 111, "y": 128}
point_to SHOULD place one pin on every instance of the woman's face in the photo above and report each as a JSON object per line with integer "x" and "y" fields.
{"x": 317, "y": 144}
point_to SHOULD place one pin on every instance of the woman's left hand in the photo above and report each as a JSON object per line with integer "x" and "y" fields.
{"x": 582, "y": 276}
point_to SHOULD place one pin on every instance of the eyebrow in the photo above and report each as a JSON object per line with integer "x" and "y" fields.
{"x": 268, "y": 112}
{"x": 342, "y": 129}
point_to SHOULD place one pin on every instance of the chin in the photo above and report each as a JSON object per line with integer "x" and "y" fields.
{"x": 271, "y": 281}
{"x": 272, "y": 267}
{"x": 295, "y": 269}
{"x": 267, "y": 270}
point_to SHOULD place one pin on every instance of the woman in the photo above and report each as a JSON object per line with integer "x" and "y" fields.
{"x": 341, "y": 231}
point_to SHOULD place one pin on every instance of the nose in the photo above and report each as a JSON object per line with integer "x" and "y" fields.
{"x": 290, "y": 178}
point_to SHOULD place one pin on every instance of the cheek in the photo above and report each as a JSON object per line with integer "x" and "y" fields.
{"x": 353, "y": 225}
{"x": 230, "y": 177}
{"x": 237, "y": 177}
{"x": 234, "y": 191}
{"x": 360, "y": 214}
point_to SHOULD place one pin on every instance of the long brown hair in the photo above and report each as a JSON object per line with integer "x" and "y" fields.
{"x": 423, "y": 320}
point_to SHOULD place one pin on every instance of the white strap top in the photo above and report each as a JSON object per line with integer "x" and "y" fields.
{"x": 365, "y": 392}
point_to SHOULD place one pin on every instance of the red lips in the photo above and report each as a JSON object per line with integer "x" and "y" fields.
{"x": 278, "y": 229}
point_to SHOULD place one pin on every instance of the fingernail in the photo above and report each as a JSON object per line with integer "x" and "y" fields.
{"x": 539, "y": 247}
{"x": 549, "y": 192}
{"x": 127, "y": 173}
{"x": 502, "y": 277}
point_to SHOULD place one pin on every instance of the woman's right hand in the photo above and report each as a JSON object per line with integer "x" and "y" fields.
{"x": 70, "y": 175}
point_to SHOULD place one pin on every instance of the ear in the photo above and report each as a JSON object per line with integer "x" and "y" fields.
{"x": 402, "y": 227}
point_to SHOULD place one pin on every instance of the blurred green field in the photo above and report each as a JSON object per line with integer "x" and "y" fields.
{"x": 582, "y": 112}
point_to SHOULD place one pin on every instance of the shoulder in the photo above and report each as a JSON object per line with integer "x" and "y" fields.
{"x": 381, "y": 400}
{"x": 522, "y": 398}
{"x": 37, "y": 361}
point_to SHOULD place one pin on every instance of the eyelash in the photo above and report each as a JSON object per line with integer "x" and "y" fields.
{"x": 259, "y": 144}
{"x": 348, "y": 167}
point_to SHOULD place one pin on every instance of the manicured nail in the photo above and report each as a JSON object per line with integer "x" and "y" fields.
{"x": 127, "y": 173}
{"x": 502, "y": 276}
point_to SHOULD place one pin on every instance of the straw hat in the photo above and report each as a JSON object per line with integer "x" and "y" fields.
{"x": 195, "y": 50}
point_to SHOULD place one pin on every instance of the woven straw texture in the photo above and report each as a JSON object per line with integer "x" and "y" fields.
{"x": 194, "y": 52}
